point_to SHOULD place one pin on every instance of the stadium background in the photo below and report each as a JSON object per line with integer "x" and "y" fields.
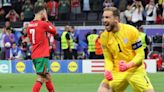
{"x": 71, "y": 75}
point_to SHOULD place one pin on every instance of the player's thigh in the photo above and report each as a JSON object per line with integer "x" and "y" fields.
{"x": 119, "y": 82}
{"x": 104, "y": 86}
{"x": 140, "y": 82}
{"x": 47, "y": 77}
{"x": 41, "y": 65}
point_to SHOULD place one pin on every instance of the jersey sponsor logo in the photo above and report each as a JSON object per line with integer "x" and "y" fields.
{"x": 137, "y": 45}
{"x": 72, "y": 66}
{"x": 20, "y": 67}
{"x": 55, "y": 66}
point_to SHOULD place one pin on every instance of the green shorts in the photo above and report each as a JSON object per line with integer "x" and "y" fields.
{"x": 41, "y": 65}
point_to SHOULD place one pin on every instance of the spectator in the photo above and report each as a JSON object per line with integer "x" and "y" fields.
{"x": 122, "y": 5}
{"x": 27, "y": 10}
{"x": 130, "y": 2}
{"x": 17, "y": 5}
{"x": 22, "y": 16}
{"x": 12, "y": 16}
{"x": 108, "y": 3}
{"x": 122, "y": 8}
{"x": 24, "y": 43}
{"x": 15, "y": 52}
{"x": 137, "y": 14}
{"x": 2, "y": 14}
{"x": 40, "y": 2}
{"x": 151, "y": 12}
{"x": 2, "y": 35}
{"x": 8, "y": 26}
{"x": 116, "y": 3}
{"x": 75, "y": 7}
{"x": 95, "y": 5}
{"x": 86, "y": 8}
{"x": 159, "y": 15}
{"x": 64, "y": 8}
{"x": 6, "y": 5}
{"x": 128, "y": 14}
{"x": 8, "y": 40}
{"x": 52, "y": 10}
{"x": 122, "y": 17}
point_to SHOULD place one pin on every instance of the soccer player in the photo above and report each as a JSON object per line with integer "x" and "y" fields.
{"x": 37, "y": 32}
{"x": 124, "y": 56}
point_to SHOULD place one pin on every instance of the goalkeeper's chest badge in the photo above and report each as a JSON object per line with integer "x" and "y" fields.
{"x": 125, "y": 40}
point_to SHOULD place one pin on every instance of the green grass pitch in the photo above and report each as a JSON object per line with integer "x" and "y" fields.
{"x": 66, "y": 82}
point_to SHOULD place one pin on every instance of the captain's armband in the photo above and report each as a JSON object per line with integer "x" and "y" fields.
{"x": 137, "y": 45}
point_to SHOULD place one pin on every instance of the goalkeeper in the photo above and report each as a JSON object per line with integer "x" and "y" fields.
{"x": 124, "y": 56}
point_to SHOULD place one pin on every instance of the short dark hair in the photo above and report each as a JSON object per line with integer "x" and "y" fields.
{"x": 116, "y": 12}
{"x": 38, "y": 8}
{"x": 14, "y": 43}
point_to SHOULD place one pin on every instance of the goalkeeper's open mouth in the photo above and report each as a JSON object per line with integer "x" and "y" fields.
{"x": 106, "y": 23}
{"x": 108, "y": 26}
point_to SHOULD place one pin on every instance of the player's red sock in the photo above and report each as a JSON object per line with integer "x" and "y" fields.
{"x": 37, "y": 86}
{"x": 50, "y": 86}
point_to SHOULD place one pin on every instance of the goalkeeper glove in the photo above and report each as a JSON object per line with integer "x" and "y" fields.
{"x": 123, "y": 66}
{"x": 108, "y": 75}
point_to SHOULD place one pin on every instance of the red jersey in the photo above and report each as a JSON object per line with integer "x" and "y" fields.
{"x": 37, "y": 32}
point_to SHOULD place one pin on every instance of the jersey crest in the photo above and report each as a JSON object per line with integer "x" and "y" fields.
{"x": 125, "y": 40}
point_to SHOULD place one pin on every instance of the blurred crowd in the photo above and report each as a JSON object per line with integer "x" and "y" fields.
{"x": 10, "y": 48}
{"x": 132, "y": 11}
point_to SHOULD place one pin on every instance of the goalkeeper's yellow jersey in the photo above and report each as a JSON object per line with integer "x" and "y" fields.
{"x": 122, "y": 45}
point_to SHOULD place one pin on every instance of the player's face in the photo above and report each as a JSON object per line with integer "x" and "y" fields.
{"x": 14, "y": 46}
{"x": 108, "y": 20}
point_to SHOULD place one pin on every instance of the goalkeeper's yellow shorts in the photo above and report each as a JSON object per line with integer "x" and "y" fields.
{"x": 138, "y": 80}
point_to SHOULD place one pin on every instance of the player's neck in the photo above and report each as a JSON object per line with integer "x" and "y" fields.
{"x": 37, "y": 18}
{"x": 116, "y": 28}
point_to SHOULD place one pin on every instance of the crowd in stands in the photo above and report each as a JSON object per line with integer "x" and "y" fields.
{"x": 132, "y": 11}
{"x": 12, "y": 49}
{"x": 136, "y": 13}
